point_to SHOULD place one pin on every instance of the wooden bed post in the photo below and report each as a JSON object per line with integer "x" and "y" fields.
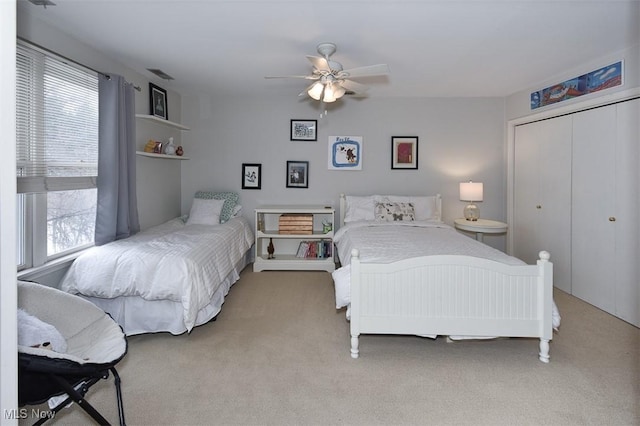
{"x": 355, "y": 302}
{"x": 545, "y": 297}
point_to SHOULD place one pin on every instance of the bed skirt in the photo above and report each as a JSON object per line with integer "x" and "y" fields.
{"x": 138, "y": 316}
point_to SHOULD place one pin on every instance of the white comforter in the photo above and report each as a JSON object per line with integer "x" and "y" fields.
{"x": 174, "y": 261}
{"x": 386, "y": 242}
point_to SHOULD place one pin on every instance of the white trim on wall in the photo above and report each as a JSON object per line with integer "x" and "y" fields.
{"x": 8, "y": 287}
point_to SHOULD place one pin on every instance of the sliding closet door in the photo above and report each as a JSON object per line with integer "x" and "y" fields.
{"x": 627, "y": 207}
{"x": 605, "y": 209}
{"x": 594, "y": 208}
{"x": 542, "y": 195}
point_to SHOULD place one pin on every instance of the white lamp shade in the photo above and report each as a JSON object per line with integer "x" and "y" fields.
{"x": 328, "y": 94}
{"x": 338, "y": 91}
{"x": 471, "y": 191}
{"x": 316, "y": 91}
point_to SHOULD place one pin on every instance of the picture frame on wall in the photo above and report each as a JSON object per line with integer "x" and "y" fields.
{"x": 304, "y": 130}
{"x": 404, "y": 152}
{"x": 158, "y": 102}
{"x": 251, "y": 176}
{"x": 345, "y": 153}
{"x": 297, "y": 174}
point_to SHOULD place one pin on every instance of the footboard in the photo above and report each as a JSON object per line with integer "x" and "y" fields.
{"x": 452, "y": 295}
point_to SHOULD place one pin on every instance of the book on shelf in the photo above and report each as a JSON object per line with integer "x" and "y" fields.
{"x": 321, "y": 249}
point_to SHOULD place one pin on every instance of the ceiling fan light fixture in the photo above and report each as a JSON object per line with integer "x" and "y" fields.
{"x": 332, "y": 82}
{"x": 338, "y": 91}
{"x": 316, "y": 91}
{"x": 333, "y": 91}
{"x": 329, "y": 94}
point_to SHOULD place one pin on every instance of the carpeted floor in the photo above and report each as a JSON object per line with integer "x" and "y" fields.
{"x": 278, "y": 354}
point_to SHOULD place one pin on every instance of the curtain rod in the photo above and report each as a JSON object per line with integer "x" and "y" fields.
{"x": 138, "y": 88}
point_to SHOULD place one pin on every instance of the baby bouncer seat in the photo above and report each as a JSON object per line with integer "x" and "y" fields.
{"x": 94, "y": 342}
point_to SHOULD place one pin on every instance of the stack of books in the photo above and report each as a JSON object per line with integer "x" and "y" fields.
{"x": 315, "y": 249}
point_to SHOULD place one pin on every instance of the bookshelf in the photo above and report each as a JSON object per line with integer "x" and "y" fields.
{"x": 288, "y": 244}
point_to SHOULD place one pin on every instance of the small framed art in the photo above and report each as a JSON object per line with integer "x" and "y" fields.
{"x": 251, "y": 176}
{"x": 345, "y": 153}
{"x": 158, "y": 101}
{"x": 297, "y": 174}
{"x": 404, "y": 152}
{"x": 304, "y": 130}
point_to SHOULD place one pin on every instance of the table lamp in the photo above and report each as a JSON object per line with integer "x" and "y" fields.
{"x": 471, "y": 192}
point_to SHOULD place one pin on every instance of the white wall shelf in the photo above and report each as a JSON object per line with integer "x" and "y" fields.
{"x": 162, "y": 121}
{"x": 165, "y": 156}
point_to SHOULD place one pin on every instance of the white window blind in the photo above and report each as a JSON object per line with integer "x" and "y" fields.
{"x": 57, "y": 123}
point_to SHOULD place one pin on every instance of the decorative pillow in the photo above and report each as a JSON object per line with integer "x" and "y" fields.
{"x": 230, "y": 201}
{"x": 425, "y": 206}
{"x": 393, "y": 212}
{"x": 359, "y": 208}
{"x": 205, "y": 212}
{"x": 237, "y": 210}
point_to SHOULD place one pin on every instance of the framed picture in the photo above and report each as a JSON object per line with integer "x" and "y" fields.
{"x": 297, "y": 174}
{"x": 304, "y": 130}
{"x": 404, "y": 152}
{"x": 158, "y": 101}
{"x": 345, "y": 153}
{"x": 251, "y": 176}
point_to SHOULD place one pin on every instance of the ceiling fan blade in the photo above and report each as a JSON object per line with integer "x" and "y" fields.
{"x": 321, "y": 64}
{"x": 380, "y": 69}
{"x": 352, "y": 86}
{"x": 307, "y": 77}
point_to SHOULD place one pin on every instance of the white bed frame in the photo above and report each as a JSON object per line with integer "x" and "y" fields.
{"x": 451, "y": 296}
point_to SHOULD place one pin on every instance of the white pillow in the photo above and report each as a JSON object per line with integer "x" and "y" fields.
{"x": 359, "y": 208}
{"x": 205, "y": 212}
{"x": 425, "y": 207}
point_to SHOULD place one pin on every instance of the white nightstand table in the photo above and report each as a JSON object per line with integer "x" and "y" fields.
{"x": 481, "y": 226}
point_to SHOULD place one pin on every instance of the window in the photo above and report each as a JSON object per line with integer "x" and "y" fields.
{"x": 57, "y": 155}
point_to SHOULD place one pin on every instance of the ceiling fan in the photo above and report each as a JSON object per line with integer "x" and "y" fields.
{"x": 331, "y": 81}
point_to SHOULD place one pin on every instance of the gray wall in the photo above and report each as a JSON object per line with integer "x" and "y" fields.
{"x": 459, "y": 139}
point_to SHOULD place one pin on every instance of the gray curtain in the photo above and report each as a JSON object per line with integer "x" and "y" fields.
{"x": 117, "y": 213}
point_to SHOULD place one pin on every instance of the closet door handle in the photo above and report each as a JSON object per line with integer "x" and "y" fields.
{"x": 612, "y": 219}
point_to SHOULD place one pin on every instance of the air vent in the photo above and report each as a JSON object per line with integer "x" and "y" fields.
{"x": 44, "y": 3}
{"x": 163, "y": 75}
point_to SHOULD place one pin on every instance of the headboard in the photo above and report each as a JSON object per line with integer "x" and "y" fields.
{"x": 435, "y": 199}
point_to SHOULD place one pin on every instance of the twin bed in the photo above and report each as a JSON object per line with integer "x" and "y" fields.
{"x": 406, "y": 272}
{"x": 171, "y": 277}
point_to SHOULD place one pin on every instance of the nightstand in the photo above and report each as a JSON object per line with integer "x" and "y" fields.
{"x": 481, "y": 226}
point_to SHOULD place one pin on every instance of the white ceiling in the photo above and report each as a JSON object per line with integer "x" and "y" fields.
{"x": 454, "y": 48}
